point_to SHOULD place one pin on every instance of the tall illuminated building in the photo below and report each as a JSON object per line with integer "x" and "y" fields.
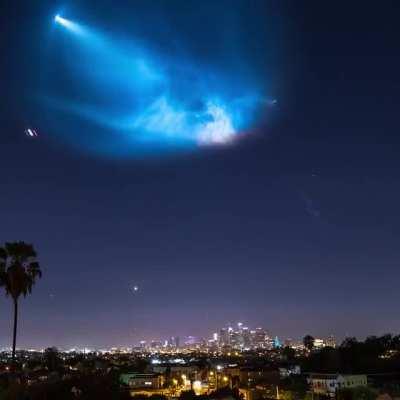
{"x": 245, "y": 338}
{"x": 277, "y": 343}
{"x": 330, "y": 341}
{"x": 260, "y": 337}
{"x": 224, "y": 337}
{"x": 174, "y": 342}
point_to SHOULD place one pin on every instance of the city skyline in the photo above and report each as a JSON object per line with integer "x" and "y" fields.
{"x": 212, "y": 339}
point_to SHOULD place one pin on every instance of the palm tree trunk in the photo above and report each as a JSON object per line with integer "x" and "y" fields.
{"x": 15, "y": 328}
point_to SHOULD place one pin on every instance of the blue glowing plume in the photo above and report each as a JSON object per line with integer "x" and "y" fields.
{"x": 141, "y": 97}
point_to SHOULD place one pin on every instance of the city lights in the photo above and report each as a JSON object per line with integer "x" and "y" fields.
{"x": 229, "y": 341}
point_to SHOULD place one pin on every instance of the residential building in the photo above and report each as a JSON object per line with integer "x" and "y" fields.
{"x": 329, "y": 384}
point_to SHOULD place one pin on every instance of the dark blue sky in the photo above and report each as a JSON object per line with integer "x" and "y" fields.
{"x": 294, "y": 228}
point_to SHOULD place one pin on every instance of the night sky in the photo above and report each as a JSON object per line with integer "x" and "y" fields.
{"x": 294, "y": 226}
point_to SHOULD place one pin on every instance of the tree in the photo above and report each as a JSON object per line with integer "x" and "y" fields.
{"x": 19, "y": 270}
{"x": 289, "y": 353}
{"x": 52, "y": 359}
{"x": 308, "y": 342}
{"x": 3, "y": 258}
{"x": 187, "y": 395}
{"x": 295, "y": 385}
{"x": 357, "y": 393}
{"x": 286, "y": 395}
{"x": 349, "y": 342}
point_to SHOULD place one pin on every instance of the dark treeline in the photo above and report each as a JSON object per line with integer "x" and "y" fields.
{"x": 377, "y": 354}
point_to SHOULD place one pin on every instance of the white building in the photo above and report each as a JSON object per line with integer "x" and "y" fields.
{"x": 328, "y": 384}
{"x": 319, "y": 343}
{"x": 148, "y": 381}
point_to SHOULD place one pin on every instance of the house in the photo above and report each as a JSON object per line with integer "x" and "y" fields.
{"x": 145, "y": 381}
{"x": 329, "y": 384}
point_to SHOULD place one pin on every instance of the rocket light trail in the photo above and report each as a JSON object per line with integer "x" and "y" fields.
{"x": 145, "y": 97}
{"x": 72, "y": 26}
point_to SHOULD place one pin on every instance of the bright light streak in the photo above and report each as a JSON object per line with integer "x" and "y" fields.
{"x": 31, "y": 132}
{"x": 66, "y": 23}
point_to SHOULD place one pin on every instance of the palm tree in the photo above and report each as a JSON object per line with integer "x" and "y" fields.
{"x": 3, "y": 256}
{"x": 18, "y": 272}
